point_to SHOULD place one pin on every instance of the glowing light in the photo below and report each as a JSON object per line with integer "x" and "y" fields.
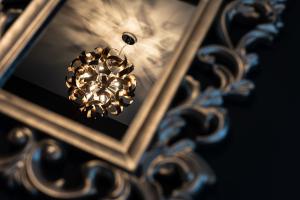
{"x": 99, "y": 89}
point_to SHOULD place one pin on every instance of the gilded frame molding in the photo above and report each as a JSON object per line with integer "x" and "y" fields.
{"x": 22, "y": 31}
{"x": 128, "y": 152}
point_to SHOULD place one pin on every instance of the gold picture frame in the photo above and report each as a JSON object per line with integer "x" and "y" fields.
{"x": 22, "y": 31}
{"x": 127, "y": 152}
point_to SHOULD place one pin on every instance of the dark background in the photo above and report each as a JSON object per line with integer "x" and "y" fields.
{"x": 260, "y": 157}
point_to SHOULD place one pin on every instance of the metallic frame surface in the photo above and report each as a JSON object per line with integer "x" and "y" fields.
{"x": 127, "y": 152}
{"x": 22, "y": 31}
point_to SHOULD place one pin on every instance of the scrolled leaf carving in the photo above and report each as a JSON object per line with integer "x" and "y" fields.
{"x": 117, "y": 186}
{"x": 176, "y": 171}
{"x": 25, "y": 168}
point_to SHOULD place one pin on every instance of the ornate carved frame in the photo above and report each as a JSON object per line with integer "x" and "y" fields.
{"x": 172, "y": 152}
